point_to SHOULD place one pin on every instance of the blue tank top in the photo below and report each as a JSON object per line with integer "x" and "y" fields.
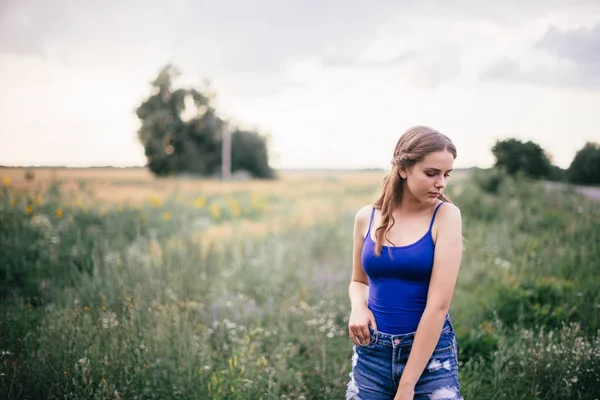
{"x": 398, "y": 284}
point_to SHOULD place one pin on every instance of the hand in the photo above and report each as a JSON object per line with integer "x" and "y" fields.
{"x": 358, "y": 325}
{"x": 405, "y": 392}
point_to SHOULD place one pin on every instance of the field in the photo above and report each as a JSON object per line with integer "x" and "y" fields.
{"x": 115, "y": 284}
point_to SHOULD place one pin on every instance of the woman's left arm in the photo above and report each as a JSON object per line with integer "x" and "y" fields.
{"x": 446, "y": 263}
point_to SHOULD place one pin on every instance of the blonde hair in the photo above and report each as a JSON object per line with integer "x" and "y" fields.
{"x": 412, "y": 147}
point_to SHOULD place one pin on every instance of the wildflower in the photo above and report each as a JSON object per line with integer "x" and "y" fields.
{"x": 166, "y": 215}
{"x": 86, "y": 308}
{"x": 6, "y": 181}
{"x": 79, "y": 202}
{"x": 155, "y": 201}
{"x": 235, "y": 208}
{"x": 200, "y": 201}
{"x": 59, "y": 213}
{"x": 215, "y": 211}
{"x": 103, "y": 308}
{"x": 28, "y": 210}
{"x": 14, "y": 202}
{"x": 37, "y": 200}
{"x": 255, "y": 200}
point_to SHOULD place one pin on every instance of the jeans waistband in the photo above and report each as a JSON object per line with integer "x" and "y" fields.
{"x": 404, "y": 338}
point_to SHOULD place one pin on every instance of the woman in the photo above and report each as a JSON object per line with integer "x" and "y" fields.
{"x": 406, "y": 258}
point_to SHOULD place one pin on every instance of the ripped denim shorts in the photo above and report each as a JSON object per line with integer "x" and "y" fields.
{"x": 377, "y": 367}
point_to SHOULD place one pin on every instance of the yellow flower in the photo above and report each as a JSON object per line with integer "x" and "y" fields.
{"x": 103, "y": 308}
{"x": 255, "y": 200}
{"x": 28, "y": 210}
{"x": 59, "y": 213}
{"x": 6, "y": 181}
{"x": 215, "y": 211}
{"x": 200, "y": 201}
{"x": 14, "y": 202}
{"x": 155, "y": 201}
{"x": 235, "y": 208}
{"x": 166, "y": 215}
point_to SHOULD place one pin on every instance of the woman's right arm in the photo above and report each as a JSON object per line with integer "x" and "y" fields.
{"x": 360, "y": 317}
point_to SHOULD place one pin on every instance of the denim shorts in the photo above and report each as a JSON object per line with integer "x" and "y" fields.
{"x": 377, "y": 367}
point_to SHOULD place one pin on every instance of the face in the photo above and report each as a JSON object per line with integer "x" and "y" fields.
{"x": 427, "y": 179}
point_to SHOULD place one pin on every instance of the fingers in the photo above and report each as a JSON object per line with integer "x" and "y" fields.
{"x": 360, "y": 336}
{"x": 366, "y": 334}
{"x": 356, "y": 339}
{"x": 373, "y": 324}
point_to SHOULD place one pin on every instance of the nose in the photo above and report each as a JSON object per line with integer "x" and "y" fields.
{"x": 441, "y": 183}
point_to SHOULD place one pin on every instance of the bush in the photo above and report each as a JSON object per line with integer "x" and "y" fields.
{"x": 541, "y": 302}
{"x": 554, "y": 365}
{"x": 585, "y": 167}
{"x": 489, "y": 180}
{"x": 526, "y": 157}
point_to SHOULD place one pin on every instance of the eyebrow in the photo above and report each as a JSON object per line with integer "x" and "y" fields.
{"x": 437, "y": 170}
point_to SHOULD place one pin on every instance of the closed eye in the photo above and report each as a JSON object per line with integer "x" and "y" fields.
{"x": 432, "y": 174}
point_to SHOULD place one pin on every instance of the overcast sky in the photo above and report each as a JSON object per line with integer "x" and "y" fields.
{"x": 334, "y": 83}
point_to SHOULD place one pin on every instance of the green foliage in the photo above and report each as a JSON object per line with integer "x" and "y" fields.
{"x": 559, "y": 364}
{"x": 478, "y": 343}
{"x": 178, "y": 144}
{"x": 531, "y": 303}
{"x": 557, "y": 174}
{"x": 249, "y": 153}
{"x": 489, "y": 180}
{"x": 585, "y": 167}
{"x": 526, "y": 157}
{"x": 154, "y": 312}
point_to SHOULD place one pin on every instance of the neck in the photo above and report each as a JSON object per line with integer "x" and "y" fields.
{"x": 409, "y": 203}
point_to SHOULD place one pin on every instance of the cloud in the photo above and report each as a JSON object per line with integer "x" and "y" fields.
{"x": 560, "y": 58}
{"x": 581, "y": 46}
{"x": 576, "y": 76}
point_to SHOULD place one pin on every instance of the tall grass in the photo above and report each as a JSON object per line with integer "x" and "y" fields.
{"x": 114, "y": 305}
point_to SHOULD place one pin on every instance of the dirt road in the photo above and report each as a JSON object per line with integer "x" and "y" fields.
{"x": 590, "y": 192}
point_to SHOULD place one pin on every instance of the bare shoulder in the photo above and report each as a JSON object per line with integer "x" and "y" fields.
{"x": 449, "y": 216}
{"x": 363, "y": 215}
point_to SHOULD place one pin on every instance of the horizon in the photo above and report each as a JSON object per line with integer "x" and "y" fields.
{"x": 341, "y": 95}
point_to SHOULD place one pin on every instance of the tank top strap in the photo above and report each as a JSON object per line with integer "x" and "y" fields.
{"x": 435, "y": 212}
{"x": 370, "y": 222}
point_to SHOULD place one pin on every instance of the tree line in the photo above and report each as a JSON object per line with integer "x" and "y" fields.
{"x": 175, "y": 144}
{"x": 529, "y": 158}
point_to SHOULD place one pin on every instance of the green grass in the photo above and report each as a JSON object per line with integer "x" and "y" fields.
{"x": 99, "y": 305}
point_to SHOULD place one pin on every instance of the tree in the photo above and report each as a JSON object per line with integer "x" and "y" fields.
{"x": 527, "y": 157}
{"x": 585, "y": 167}
{"x": 182, "y": 133}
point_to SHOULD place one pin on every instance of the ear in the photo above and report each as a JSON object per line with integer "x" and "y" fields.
{"x": 402, "y": 173}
